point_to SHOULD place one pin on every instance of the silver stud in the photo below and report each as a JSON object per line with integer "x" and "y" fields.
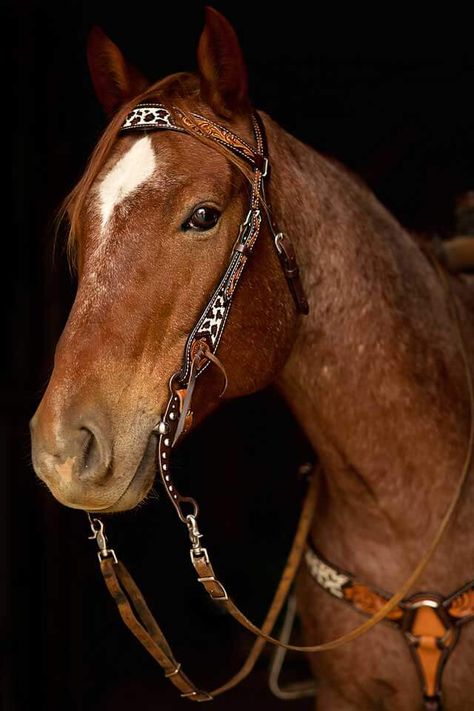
{"x": 170, "y": 488}
{"x": 161, "y": 427}
{"x": 163, "y": 455}
{"x": 167, "y": 442}
{"x": 167, "y": 477}
{"x": 165, "y": 467}
{"x": 175, "y": 496}
{"x": 172, "y": 415}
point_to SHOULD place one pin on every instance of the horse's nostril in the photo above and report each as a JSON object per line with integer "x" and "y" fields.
{"x": 72, "y": 448}
{"x": 91, "y": 458}
{"x": 94, "y": 458}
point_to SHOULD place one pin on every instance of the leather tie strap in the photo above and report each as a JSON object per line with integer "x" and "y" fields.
{"x": 140, "y": 621}
{"x": 138, "y": 618}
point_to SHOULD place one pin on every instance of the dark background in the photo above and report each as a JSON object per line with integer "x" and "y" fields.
{"x": 388, "y": 94}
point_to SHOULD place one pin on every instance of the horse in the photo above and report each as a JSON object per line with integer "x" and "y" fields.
{"x": 373, "y": 373}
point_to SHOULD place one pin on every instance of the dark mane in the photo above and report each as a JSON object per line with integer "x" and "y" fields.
{"x": 179, "y": 88}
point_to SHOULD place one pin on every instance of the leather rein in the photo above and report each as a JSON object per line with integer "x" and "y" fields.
{"x": 199, "y": 352}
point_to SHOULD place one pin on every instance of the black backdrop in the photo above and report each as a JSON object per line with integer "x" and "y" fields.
{"x": 386, "y": 94}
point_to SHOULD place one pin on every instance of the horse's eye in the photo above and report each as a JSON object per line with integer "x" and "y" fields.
{"x": 202, "y": 219}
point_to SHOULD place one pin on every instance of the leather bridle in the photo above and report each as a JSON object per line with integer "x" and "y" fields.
{"x": 200, "y": 351}
{"x": 204, "y": 339}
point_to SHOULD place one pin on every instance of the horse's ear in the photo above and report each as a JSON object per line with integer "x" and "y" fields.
{"x": 221, "y": 67}
{"x": 115, "y": 81}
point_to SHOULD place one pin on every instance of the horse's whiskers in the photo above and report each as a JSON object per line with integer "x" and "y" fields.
{"x": 153, "y": 494}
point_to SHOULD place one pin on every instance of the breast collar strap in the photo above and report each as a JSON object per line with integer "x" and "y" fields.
{"x": 431, "y": 623}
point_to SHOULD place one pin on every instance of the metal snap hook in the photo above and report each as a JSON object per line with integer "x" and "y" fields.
{"x": 98, "y": 534}
{"x": 194, "y": 533}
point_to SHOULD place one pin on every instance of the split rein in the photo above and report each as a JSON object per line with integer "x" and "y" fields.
{"x": 199, "y": 352}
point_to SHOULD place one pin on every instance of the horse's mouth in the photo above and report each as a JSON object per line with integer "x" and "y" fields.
{"x": 139, "y": 485}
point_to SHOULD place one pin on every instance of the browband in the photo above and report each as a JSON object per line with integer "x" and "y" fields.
{"x": 156, "y": 116}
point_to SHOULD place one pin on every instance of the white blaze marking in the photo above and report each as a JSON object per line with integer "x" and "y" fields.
{"x": 131, "y": 171}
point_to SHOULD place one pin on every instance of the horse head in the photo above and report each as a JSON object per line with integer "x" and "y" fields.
{"x": 153, "y": 221}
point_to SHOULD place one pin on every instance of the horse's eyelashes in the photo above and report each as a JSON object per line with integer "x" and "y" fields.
{"x": 203, "y": 218}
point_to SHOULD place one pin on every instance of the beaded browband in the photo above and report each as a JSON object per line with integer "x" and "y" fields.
{"x": 156, "y": 116}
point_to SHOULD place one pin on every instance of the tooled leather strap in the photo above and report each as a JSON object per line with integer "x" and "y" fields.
{"x": 156, "y": 116}
{"x": 430, "y": 623}
{"x": 367, "y": 599}
{"x": 431, "y": 637}
{"x": 138, "y": 618}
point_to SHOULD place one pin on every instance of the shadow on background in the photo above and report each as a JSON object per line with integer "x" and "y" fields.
{"x": 397, "y": 109}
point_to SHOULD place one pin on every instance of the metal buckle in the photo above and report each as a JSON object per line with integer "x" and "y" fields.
{"x": 204, "y": 694}
{"x": 239, "y": 244}
{"x": 201, "y": 554}
{"x": 107, "y": 553}
{"x": 194, "y": 534}
{"x": 422, "y": 603}
{"x": 212, "y": 579}
{"x": 98, "y": 534}
{"x": 248, "y": 219}
{"x": 175, "y": 671}
{"x": 285, "y": 247}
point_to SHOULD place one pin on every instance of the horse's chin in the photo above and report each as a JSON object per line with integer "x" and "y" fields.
{"x": 134, "y": 494}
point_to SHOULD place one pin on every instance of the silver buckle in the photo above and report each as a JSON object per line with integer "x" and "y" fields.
{"x": 204, "y": 694}
{"x": 202, "y": 553}
{"x": 172, "y": 673}
{"x": 98, "y": 534}
{"x": 212, "y": 579}
{"x": 423, "y": 603}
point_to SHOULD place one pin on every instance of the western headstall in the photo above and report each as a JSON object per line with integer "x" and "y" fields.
{"x": 200, "y": 351}
{"x": 204, "y": 339}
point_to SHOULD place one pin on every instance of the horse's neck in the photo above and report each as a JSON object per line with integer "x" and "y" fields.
{"x": 375, "y": 377}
